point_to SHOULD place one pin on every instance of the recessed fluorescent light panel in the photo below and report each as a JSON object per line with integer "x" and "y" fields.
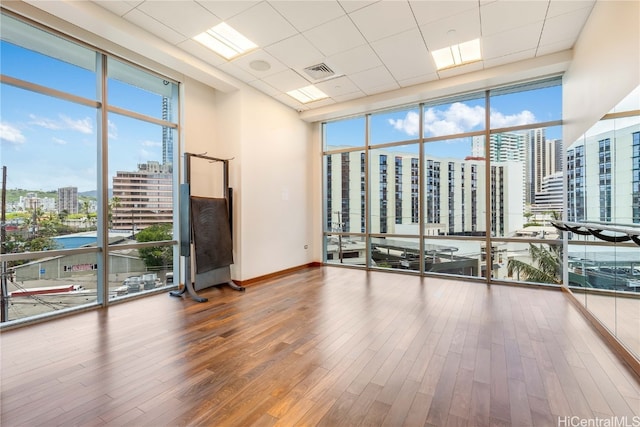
{"x": 225, "y": 41}
{"x": 457, "y": 54}
{"x": 307, "y": 94}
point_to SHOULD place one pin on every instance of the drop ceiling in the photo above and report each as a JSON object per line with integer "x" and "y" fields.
{"x": 371, "y": 47}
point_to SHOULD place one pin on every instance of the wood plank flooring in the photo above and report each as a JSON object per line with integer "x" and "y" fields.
{"x": 325, "y": 346}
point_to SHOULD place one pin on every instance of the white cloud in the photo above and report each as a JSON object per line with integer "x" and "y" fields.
{"x": 458, "y": 118}
{"x": 409, "y": 125}
{"x": 63, "y": 123}
{"x": 11, "y": 134}
{"x": 81, "y": 125}
{"x": 59, "y": 141}
{"x": 44, "y": 122}
{"x": 499, "y": 120}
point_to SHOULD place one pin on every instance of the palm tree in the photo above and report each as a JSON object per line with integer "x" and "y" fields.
{"x": 544, "y": 268}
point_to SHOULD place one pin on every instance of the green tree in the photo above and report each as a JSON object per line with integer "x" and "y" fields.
{"x": 544, "y": 268}
{"x": 156, "y": 256}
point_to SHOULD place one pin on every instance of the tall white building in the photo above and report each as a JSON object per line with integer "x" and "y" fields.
{"x": 594, "y": 184}
{"x": 142, "y": 198}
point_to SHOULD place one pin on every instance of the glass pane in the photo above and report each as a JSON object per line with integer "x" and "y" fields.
{"x": 26, "y": 52}
{"x": 345, "y": 192}
{"x": 141, "y": 182}
{"x": 606, "y": 182}
{"x": 527, "y": 104}
{"x": 396, "y": 253}
{"x": 395, "y": 126}
{"x": 51, "y": 284}
{"x": 346, "y": 249}
{"x": 47, "y": 144}
{"x": 344, "y": 134}
{"x": 453, "y": 174}
{"x": 132, "y": 271}
{"x": 529, "y": 262}
{"x": 393, "y": 184}
{"x": 454, "y": 257}
{"x": 453, "y": 194}
{"x": 454, "y": 117}
{"x": 136, "y": 90}
{"x": 527, "y": 182}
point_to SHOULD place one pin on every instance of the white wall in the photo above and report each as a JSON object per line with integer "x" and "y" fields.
{"x": 270, "y": 172}
{"x": 605, "y": 66}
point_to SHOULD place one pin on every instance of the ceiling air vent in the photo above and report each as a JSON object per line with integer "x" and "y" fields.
{"x": 319, "y": 71}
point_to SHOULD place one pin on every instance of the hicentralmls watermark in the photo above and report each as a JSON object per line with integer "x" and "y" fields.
{"x": 624, "y": 421}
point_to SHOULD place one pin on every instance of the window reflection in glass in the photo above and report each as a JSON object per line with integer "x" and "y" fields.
{"x": 39, "y": 51}
{"x": 139, "y": 91}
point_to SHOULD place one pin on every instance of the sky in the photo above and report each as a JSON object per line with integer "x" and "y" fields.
{"x": 514, "y": 109}
{"x": 47, "y": 143}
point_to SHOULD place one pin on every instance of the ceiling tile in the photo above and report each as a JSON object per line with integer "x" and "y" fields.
{"x": 405, "y": 55}
{"x": 373, "y": 21}
{"x": 355, "y": 60}
{"x": 351, "y": 5}
{"x": 199, "y": 51}
{"x": 151, "y": 25}
{"x": 286, "y": 80}
{"x": 432, "y": 11}
{"x": 560, "y": 7}
{"x": 337, "y": 87}
{"x": 501, "y": 16}
{"x": 117, "y": 7}
{"x": 424, "y": 78}
{"x": 336, "y": 36}
{"x": 185, "y": 17}
{"x": 244, "y": 62}
{"x": 237, "y": 72}
{"x": 565, "y": 26}
{"x": 374, "y": 81}
{"x": 226, "y": 9}
{"x": 512, "y": 41}
{"x": 296, "y": 52}
{"x": 262, "y": 24}
{"x": 452, "y": 30}
{"x": 349, "y": 96}
{"x": 509, "y": 58}
{"x": 265, "y": 88}
{"x": 305, "y": 15}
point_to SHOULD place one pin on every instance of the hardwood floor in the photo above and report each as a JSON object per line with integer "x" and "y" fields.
{"x": 325, "y": 346}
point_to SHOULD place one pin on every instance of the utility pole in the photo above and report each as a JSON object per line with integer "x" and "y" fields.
{"x": 4, "y": 303}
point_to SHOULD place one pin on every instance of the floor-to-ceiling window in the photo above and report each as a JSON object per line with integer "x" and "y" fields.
{"x": 449, "y": 178}
{"x": 88, "y": 146}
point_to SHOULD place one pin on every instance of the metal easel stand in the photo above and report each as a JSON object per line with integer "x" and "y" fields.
{"x": 214, "y": 277}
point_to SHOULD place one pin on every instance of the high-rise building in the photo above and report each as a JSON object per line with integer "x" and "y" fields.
{"x": 454, "y": 194}
{"x": 142, "y": 198}
{"x": 590, "y": 171}
{"x": 68, "y": 200}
